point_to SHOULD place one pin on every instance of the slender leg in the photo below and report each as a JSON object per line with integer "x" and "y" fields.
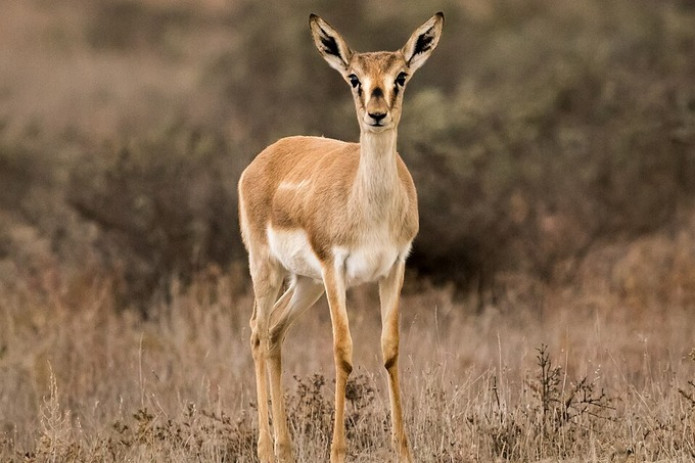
{"x": 266, "y": 285}
{"x": 334, "y": 281}
{"x": 389, "y": 293}
{"x": 302, "y": 294}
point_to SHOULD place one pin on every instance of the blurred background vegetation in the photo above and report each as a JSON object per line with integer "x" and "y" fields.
{"x": 538, "y": 131}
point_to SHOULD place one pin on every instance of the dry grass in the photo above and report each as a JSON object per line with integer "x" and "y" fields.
{"x": 572, "y": 371}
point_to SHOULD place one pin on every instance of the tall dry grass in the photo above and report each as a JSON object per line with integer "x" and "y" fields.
{"x": 589, "y": 370}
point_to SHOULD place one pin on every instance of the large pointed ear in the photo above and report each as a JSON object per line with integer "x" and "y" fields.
{"x": 423, "y": 41}
{"x": 330, "y": 44}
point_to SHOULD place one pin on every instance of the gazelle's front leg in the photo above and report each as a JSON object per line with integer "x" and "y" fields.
{"x": 334, "y": 281}
{"x": 389, "y": 294}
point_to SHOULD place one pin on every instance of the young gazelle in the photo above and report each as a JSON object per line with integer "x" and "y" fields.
{"x": 326, "y": 215}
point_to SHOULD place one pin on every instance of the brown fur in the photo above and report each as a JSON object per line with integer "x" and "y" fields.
{"x": 331, "y": 167}
{"x": 351, "y": 207}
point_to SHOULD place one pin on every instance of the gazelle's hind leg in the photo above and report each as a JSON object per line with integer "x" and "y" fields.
{"x": 267, "y": 281}
{"x": 301, "y": 294}
{"x": 389, "y": 294}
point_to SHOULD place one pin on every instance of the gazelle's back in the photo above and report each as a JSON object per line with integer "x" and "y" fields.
{"x": 295, "y": 166}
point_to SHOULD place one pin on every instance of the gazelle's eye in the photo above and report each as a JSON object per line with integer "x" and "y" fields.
{"x": 400, "y": 80}
{"x": 354, "y": 81}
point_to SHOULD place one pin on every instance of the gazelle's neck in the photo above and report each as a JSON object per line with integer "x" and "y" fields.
{"x": 376, "y": 145}
{"x": 376, "y": 186}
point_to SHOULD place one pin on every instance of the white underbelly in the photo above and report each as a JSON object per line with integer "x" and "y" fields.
{"x": 292, "y": 249}
{"x": 369, "y": 260}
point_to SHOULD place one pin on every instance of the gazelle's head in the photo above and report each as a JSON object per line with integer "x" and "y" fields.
{"x": 378, "y": 79}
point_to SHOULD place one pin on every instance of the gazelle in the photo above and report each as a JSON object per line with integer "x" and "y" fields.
{"x": 326, "y": 215}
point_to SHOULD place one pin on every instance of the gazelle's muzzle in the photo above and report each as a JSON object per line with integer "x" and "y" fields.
{"x": 377, "y": 112}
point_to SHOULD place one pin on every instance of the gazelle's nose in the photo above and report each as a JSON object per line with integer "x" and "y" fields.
{"x": 377, "y": 117}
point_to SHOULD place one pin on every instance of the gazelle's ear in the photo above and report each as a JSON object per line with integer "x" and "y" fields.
{"x": 330, "y": 44}
{"x": 423, "y": 41}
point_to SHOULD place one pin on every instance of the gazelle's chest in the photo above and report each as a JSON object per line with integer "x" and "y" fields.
{"x": 366, "y": 259}
{"x": 370, "y": 258}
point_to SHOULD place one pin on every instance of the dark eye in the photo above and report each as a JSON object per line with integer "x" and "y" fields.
{"x": 354, "y": 81}
{"x": 400, "y": 80}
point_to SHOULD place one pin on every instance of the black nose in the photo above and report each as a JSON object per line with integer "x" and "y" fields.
{"x": 377, "y": 116}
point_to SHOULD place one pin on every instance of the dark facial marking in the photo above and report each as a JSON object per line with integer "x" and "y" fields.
{"x": 398, "y": 85}
{"x": 400, "y": 80}
{"x": 355, "y": 83}
{"x": 377, "y": 93}
{"x": 394, "y": 95}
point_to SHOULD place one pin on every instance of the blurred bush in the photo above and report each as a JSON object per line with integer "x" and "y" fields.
{"x": 125, "y": 25}
{"x": 537, "y": 129}
{"x": 166, "y": 207}
{"x": 571, "y": 123}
